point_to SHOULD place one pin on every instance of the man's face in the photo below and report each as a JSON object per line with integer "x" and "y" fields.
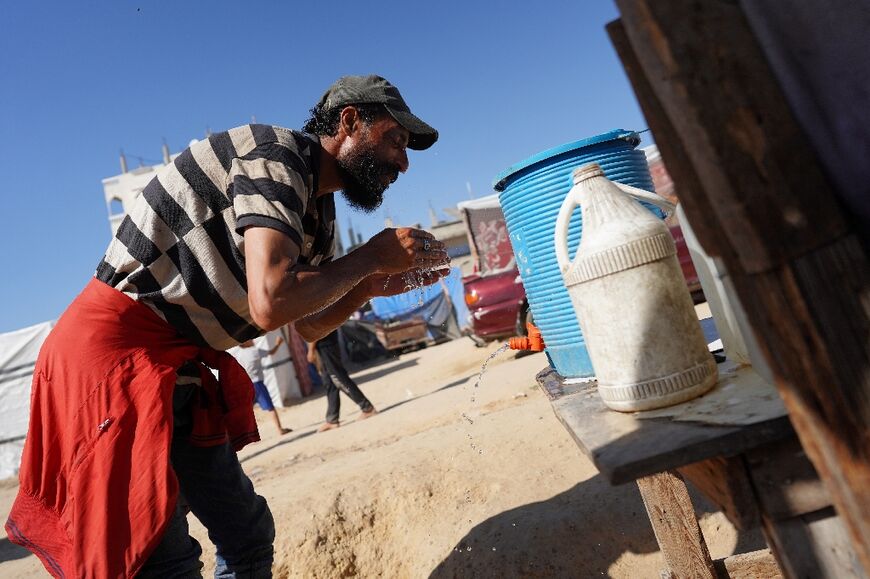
{"x": 372, "y": 162}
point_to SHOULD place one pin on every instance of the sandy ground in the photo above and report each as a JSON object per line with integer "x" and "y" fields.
{"x": 421, "y": 491}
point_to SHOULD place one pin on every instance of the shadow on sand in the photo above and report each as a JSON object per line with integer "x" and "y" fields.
{"x": 9, "y": 551}
{"x": 361, "y": 376}
{"x": 304, "y": 432}
{"x": 579, "y": 533}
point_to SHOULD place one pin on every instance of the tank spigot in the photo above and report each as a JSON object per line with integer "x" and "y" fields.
{"x": 534, "y": 341}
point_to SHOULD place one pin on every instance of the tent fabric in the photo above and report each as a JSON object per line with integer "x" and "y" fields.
{"x": 487, "y": 202}
{"x": 438, "y": 313}
{"x": 279, "y": 375}
{"x": 422, "y": 302}
{"x": 18, "y": 352}
{"x": 488, "y": 234}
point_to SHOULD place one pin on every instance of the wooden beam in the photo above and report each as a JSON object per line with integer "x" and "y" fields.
{"x": 676, "y": 160}
{"x": 755, "y": 565}
{"x": 785, "y": 481}
{"x": 726, "y": 483}
{"x": 744, "y": 169}
{"x": 673, "y": 520}
{"x": 709, "y": 73}
{"x": 813, "y": 545}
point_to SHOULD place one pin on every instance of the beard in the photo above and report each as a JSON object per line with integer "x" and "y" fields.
{"x": 363, "y": 177}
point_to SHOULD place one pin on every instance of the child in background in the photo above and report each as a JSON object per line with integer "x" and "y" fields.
{"x": 251, "y": 359}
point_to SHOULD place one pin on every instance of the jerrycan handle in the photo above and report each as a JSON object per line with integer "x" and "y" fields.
{"x": 572, "y": 200}
{"x": 648, "y": 196}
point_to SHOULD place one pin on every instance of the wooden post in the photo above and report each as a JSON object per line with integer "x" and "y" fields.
{"x": 758, "y": 200}
{"x": 676, "y": 528}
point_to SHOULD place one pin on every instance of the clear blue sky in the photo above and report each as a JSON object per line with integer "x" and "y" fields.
{"x": 81, "y": 80}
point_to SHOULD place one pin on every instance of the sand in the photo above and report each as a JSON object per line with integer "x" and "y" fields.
{"x": 419, "y": 490}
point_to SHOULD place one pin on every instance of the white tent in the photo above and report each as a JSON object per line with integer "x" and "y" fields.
{"x": 278, "y": 372}
{"x": 18, "y": 351}
{"x": 487, "y": 202}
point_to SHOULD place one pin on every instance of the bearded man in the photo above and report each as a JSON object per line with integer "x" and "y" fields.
{"x": 129, "y": 428}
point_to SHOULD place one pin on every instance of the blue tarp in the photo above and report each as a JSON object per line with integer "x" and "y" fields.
{"x": 407, "y": 305}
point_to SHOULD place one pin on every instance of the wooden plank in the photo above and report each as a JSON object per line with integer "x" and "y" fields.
{"x": 745, "y": 144}
{"x": 813, "y": 545}
{"x": 705, "y": 224}
{"x": 805, "y": 293}
{"x": 725, "y": 482}
{"x": 759, "y": 564}
{"x": 785, "y": 481}
{"x": 624, "y": 447}
{"x": 673, "y": 520}
{"x": 823, "y": 380}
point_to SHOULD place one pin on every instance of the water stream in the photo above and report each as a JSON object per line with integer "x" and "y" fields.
{"x": 503, "y": 348}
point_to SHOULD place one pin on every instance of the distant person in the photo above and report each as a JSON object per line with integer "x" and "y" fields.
{"x": 335, "y": 378}
{"x": 251, "y": 359}
{"x": 129, "y": 428}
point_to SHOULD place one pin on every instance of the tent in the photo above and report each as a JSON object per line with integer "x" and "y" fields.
{"x": 488, "y": 234}
{"x": 279, "y": 375}
{"x": 18, "y": 352}
{"x": 441, "y": 304}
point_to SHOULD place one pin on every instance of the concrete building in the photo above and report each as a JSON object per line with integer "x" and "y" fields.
{"x": 122, "y": 190}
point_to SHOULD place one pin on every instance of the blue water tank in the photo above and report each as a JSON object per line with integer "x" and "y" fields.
{"x": 531, "y": 193}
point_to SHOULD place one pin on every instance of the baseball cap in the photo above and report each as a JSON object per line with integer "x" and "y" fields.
{"x": 354, "y": 90}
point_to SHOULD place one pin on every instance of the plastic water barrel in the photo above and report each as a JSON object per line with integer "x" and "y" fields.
{"x": 531, "y": 193}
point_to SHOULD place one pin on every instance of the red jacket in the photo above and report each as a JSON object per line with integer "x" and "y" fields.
{"x": 96, "y": 487}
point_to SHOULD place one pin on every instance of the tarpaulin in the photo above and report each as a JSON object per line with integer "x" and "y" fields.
{"x": 424, "y": 302}
{"x": 18, "y": 352}
{"x": 488, "y": 232}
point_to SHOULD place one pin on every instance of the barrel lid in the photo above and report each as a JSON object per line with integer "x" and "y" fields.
{"x": 501, "y": 179}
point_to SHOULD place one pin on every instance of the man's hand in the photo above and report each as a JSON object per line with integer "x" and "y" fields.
{"x": 391, "y": 284}
{"x": 399, "y": 250}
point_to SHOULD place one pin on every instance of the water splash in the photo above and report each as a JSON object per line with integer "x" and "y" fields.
{"x": 418, "y": 279}
{"x": 503, "y": 348}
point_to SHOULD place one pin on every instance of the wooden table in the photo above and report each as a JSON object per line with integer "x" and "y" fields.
{"x": 737, "y": 446}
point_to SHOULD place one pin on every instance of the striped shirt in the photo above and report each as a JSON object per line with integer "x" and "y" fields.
{"x": 180, "y": 249}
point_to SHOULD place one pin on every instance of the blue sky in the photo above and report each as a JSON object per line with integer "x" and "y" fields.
{"x": 82, "y": 80}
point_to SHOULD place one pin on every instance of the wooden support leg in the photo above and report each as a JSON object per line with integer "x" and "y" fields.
{"x": 673, "y": 520}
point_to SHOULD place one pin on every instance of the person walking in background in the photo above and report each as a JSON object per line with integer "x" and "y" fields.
{"x": 335, "y": 378}
{"x": 251, "y": 359}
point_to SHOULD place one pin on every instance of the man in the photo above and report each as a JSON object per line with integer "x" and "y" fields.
{"x": 335, "y": 378}
{"x": 129, "y": 428}
{"x": 250, "y": 356}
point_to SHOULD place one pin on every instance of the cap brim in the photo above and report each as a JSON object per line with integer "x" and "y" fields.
{"x": 422, "y": 135}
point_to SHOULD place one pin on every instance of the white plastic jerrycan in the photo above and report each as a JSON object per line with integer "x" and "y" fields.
{"x": 635, "y": 311}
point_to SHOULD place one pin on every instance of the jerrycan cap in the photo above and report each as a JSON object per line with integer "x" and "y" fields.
{"x": 587, "y": 172}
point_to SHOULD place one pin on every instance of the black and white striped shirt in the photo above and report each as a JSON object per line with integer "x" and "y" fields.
{"x": 180, "y": 248}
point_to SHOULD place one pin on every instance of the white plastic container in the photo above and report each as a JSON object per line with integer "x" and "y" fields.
{"x": 738, "y": 340}
{"x": 629, "y": 294}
